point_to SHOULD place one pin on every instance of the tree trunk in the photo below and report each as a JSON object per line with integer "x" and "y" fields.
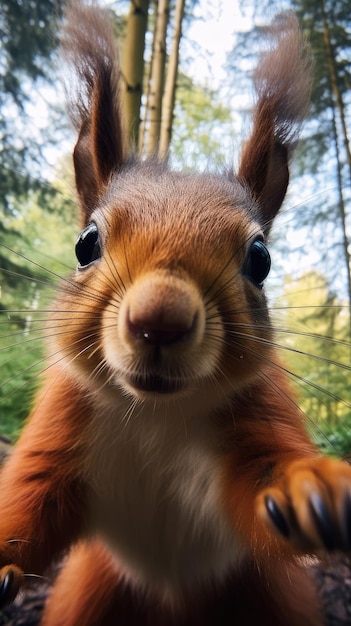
{"x": 337, "y": 104}
{"x": 334, "y": 83}
{"x": 157, "y": 77}
{"x": 342, "y": 213}
{"x": 170, "y": 88}
{"x": 133, "y": 67}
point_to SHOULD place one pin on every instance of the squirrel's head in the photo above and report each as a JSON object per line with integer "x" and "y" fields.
{"x": 168, "y": 296}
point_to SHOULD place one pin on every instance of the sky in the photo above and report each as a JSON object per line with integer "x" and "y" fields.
{"x": 213, "y": 30}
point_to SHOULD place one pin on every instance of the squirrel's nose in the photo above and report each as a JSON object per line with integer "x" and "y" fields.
{"x": 161, "y": 333}
{"x": 162, "y": 312}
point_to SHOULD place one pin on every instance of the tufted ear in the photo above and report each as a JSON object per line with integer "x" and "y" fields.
{"x": 282, "y": 81}
{"x": 93, "y": 100}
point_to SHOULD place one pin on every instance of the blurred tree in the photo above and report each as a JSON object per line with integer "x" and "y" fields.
{"x": 169, "y": 95}
{"x": 328, "y": 27}
{"x": 157, "y": 76}
{"x": 149, "y": 85}
{"x": 28, "y": 33}
{"x": 133, "y": 66}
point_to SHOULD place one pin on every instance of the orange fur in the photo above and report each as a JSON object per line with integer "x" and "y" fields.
{"x": 165, "y": 453}
{"x": 40, "y": 488}
{"x": 87, "y": 563}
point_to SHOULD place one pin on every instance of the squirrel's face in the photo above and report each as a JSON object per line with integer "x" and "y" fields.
{"x": 167, "y": 296}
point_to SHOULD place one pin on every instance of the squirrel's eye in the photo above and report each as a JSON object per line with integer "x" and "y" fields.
{"x": 88, "y": 247}
{"x": 257, "y": 263}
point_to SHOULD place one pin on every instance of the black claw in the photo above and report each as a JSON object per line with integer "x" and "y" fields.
{"x": 277, "y": 516}
{"x": 6, "y": 589}
{"x": 346, "y": 522}
{"x": 324, "y": 523}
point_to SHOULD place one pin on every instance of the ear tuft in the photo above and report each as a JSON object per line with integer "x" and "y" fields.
{"x": 87, "y": 44}
{"x": 283, "y": 82}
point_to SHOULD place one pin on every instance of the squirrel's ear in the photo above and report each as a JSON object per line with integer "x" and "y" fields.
{"x": 93, "y": 100}
{"x": 282, "y": 81}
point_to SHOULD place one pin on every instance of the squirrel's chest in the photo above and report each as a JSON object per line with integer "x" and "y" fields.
{"x": 156, "y": 497}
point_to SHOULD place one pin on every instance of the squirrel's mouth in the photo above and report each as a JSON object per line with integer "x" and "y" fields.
{"x": 155, "y": 383}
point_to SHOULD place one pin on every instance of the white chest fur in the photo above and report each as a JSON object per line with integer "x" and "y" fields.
{"x": 156, "y": 496}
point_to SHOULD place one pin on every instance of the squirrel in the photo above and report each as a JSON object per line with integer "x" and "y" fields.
{"x": 165, "y": 457}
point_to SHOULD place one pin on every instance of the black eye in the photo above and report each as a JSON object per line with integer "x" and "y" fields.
{"x": 88, "y": 247}
{"x": 257, "y": 263}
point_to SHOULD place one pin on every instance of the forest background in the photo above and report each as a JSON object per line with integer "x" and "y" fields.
{"x": 201, "y": 118}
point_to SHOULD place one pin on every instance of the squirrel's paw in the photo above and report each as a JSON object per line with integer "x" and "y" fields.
{"x": 11, "y": 578}
{"x": 310, "y": 504}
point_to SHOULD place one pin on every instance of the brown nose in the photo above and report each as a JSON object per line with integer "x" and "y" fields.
{"x": 162, "y": 312}
{"x": 163, "y": 334}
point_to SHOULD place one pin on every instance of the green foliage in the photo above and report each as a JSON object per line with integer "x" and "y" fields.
{"x": 41, "y": 238}
{"x": 313, "y": 332}
{"x": 19, "y": 371}
{"x": 201, "y": 128}
{"x": 336, "y": 440}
